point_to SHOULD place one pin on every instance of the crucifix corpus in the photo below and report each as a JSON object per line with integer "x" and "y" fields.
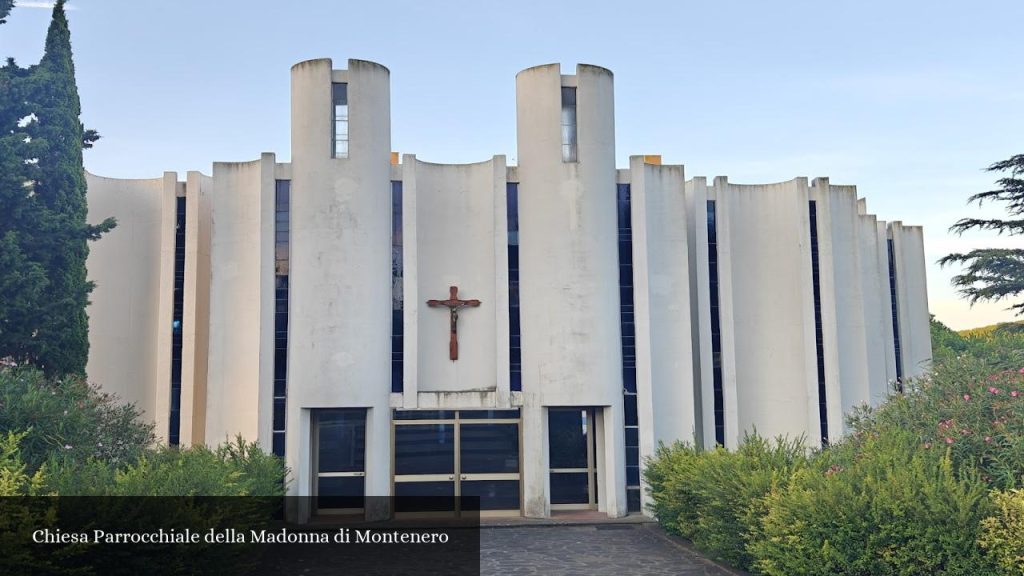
{"x": 453, "y": 304}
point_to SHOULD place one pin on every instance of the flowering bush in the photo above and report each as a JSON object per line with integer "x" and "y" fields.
{"x": 68, "y": 418}
{"x": 963, "y": 406}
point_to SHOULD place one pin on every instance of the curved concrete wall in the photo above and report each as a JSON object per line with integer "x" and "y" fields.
{"x": 661, "y": 305}
{"x": 875, "y": 287}
{"x": 456, "y": 209}
{"x": 124, "y": 319}
{"x": 767, "y": 309}
{"x": 196, "y": 309}
{"x": 339, "y": 302}
{"x": 239, "y": 383}
{"x": 843, "y": 312}
{"x": 915, "y": 330}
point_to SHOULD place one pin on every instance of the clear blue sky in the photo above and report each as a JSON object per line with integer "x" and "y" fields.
{"x": 908, "y": 100}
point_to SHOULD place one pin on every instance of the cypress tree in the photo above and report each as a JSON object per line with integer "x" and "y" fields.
{"x": 22, "y": 277}
{"x": 56, "y": 181}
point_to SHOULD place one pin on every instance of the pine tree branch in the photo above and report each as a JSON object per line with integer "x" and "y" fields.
{"x": 1010, "y": 227}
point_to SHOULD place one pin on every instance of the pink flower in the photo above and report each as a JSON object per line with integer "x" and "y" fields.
{"x": 949, "y": 440}
{"x": 993, "y": 389}
{"x": 1021, "y": 371}
{"x": 1014, "y": 393}
{"x": 988, "y": 439}
{"x": 967, "y": 397}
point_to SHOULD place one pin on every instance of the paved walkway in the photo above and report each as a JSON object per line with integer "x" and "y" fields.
{"x": 597, "y": 550}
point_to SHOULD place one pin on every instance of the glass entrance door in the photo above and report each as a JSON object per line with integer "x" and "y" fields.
{"x": 455, "y": 461}
{"x": 571, "y": 451}
{"x": 339, "y": 437}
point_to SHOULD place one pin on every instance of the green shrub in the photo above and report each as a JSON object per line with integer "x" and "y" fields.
{"x": 238, "y": 468}
{"x": 882, "y": 507}
{"x": 715, "y": 498}
{"x": 69, "y": 418}
{"x": 14, "y": 479}
{"x": 1003, "y": 532}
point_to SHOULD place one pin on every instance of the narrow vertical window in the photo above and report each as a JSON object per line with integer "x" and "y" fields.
{"x": 716, "y": 324}
{"x": 515, "y": 352}
{"x": 174, "y": 428}
{"x": 282, "y": 236}
{"x": 339, "y": 95}
{"x": 397, "y": 296}
{"x": 894, "y": 304}
{"x": 819, "y": 338}
{"x": 628, "y": 331}
{"x": 568, "y": 124}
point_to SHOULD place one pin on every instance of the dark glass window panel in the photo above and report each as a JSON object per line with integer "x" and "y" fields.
{"x": 425, "y": 449}
{"x": 629, "y": 380}
{"x": 424, "y": 496}
{"x": 341, "y": 492}
{"x": 397, "y": 297}
{"x": 512, "y": 204}
{"x": 568, "y": 434}
{"x": 488, "y": 414}
{"x": 489, "y": 448}
{"x": 176, "y": 399}
{"x": 629, "y": 403}
{"x": 632, "y": 475}
{"x": 569, "y": 488}
{"x": 632, "y": 437}
{"x": 894, "y": 304}
{"x": 278, "y": 444}
{"x": 632, "y": 456}
{"x": 633, "y": 500}
{"x": 490, "y": 494}
{"x": 175, "y": 427}
{"x": 279, "y": 413}
{"x": 819, "y": 337}
{"x": 424, "y": 415}
{"x": 342, "y": 440}
{"x": 280, "y": 364}
{"x": 339, "y": 94}
{"x": 280, "y": 387}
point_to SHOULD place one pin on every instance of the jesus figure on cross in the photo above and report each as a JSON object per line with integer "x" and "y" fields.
{"x": 453, "y": 304}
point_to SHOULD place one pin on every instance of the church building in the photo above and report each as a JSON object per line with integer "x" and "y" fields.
{"x": 526, "y": 334}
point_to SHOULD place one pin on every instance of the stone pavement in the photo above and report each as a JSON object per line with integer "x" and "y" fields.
{"x": 594, "y": 550}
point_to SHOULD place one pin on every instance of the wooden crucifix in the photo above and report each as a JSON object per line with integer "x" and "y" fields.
{"x": 453, "y": 304}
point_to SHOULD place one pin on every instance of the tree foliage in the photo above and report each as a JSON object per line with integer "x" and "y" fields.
{"x": 992, "y": 274}
{"x": 43, "y": 226}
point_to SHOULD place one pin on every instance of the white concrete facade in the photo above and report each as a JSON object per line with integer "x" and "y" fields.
{"x": 665, "y": 308}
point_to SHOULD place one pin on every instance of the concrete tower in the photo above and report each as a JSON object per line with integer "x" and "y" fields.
{"x": 569, "y": 264}
{"x": 340, "y": 307}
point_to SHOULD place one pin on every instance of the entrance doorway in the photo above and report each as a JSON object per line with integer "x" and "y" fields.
{"x": 444, "y": 460}
{"x": 571, "y": 452}
{"x": 339, "y": 460}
